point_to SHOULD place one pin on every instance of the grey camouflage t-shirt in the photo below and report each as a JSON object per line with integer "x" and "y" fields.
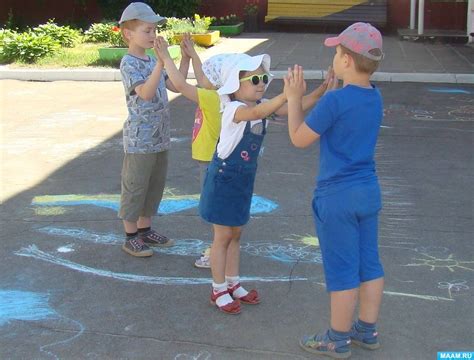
{"x": 147, "y": 128}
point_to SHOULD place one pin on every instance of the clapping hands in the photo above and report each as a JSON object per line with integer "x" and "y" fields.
{"x": 187, "y": 46}
{"x": 161, "y": 49}
{"x": 295, "y": 86}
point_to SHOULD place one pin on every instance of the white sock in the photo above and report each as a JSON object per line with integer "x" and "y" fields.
{"x": 224, "y": 299}
{"x": 240, "y": 291}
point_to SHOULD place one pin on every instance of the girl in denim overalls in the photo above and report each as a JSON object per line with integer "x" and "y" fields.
{"x": 228, "y": 186}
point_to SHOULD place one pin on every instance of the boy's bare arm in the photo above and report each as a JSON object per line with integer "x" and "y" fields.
{"x": 147, "y": 90}
{"x": 176, "y": 77}
{"x": 260, "y": 111}
{"x": 312, "y": 98}
{"x": 300, "y": 134}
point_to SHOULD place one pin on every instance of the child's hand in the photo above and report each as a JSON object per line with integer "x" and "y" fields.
{"x": 331, "y": 81}
{"x": 161, "y": 49}
{"x": 295, "y": 86}
{"x": 187, "y": 47}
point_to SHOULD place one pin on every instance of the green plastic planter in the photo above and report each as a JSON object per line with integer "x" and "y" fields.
{"x": 229, "y": 30}
{"x": 118, "y": 53}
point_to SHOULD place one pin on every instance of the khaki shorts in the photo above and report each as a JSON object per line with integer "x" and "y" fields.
{"x": 143, "y": 183}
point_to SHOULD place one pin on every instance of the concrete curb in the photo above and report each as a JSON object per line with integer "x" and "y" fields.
{"x": 99, "y": 74}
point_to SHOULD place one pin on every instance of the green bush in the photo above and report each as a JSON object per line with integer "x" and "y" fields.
{"x": 6, "y": 34}
{"x": 179, "y": 26}
{"x": 28, "y": 47}
{"x": 106, "y": 33}
{"x": 65, "y": 35}
{"x": 200, "y": 25}
{"x": 116, "y": 39}
{"x": 99, "y": 32}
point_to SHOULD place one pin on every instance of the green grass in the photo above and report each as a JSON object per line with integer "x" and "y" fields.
{"x": 82, "y": 55}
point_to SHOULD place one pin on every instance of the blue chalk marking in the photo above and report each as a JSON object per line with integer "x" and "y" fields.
{"x": 24, "y": 305}
{"x": 167, "y": 205}
{"x": 262, "y": 205}
{"x": 449, "y": 91}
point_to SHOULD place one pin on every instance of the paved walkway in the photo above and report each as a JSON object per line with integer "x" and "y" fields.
{"x": 404, "y": 61}
{"x": 67, "y": 290}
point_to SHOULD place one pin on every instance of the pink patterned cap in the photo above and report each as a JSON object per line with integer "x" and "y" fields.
{"x": 360, "y": 38}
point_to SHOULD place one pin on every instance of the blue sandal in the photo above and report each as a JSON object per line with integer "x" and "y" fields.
{"x": 365, "y": 339}
{"x": 322, "y": 345}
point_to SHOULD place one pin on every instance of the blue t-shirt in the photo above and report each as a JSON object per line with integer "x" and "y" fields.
{"x": 348, "y": 121}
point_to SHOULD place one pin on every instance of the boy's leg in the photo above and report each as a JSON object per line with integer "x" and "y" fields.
{"x": 153, "y": 198}
{"x": 130, "y": 226}
{"x": 144, "y": 222}
{"x": 132, "y": 199}
{"x": 364, "y": 331}
{"x": 370, "y": 299}
{"x": 371, "y": 270}
{"x": 338, "y": 232}
{"x": 343, "y": 304}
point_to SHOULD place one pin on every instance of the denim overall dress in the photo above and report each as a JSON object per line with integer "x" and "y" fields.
{"x": 228, "y": 187}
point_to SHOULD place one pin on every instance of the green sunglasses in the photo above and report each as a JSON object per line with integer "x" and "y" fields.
{"x": 255, "y": 79}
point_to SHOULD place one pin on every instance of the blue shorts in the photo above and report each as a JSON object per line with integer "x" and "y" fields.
{"x": 347, "y": 227}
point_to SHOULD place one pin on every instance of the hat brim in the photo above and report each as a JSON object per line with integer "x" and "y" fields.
{"x": 332, "y": 41}
{"x": 152, "y": 19}
{"x": 232, "y": 83}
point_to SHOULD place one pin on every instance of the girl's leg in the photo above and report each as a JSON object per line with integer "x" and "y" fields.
{"x": 219, "y": 248}
{"x": 220, "y": 245}
{"x": 232, "y": 271}
{"x": 233, "y": 253}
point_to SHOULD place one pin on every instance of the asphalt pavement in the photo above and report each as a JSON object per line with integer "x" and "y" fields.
{"x": 67, "y": 290}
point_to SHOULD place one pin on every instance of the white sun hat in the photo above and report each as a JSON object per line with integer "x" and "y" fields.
{"x": 212, "y": 68}
{"x": 241, "y": 62}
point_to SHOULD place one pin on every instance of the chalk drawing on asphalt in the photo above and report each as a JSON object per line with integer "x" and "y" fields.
{"x": 454, "y": 286}
{"x": 34, "y": 252}
{"x": 19, "y": 305}
{"x": 169, "y": 205}
{"x": 203, "y": 355}
{"x": 448, "y": 91}
{"x": 24, "y": 305}
{"x": 448, "y": 262}
{"x": 300, "y": 249}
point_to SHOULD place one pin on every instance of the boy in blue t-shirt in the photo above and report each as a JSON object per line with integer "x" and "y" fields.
{"x": 347, "y": 197}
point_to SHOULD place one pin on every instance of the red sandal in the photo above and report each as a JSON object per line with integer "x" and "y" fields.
{"x": 232, "y": 308}
{"x": 251, "y": 298}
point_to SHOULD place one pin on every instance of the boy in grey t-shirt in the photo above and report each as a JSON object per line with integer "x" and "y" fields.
{"x": 146, "y": 132}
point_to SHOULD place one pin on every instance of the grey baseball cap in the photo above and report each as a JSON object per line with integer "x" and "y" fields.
{"x": 143, "y": 12}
